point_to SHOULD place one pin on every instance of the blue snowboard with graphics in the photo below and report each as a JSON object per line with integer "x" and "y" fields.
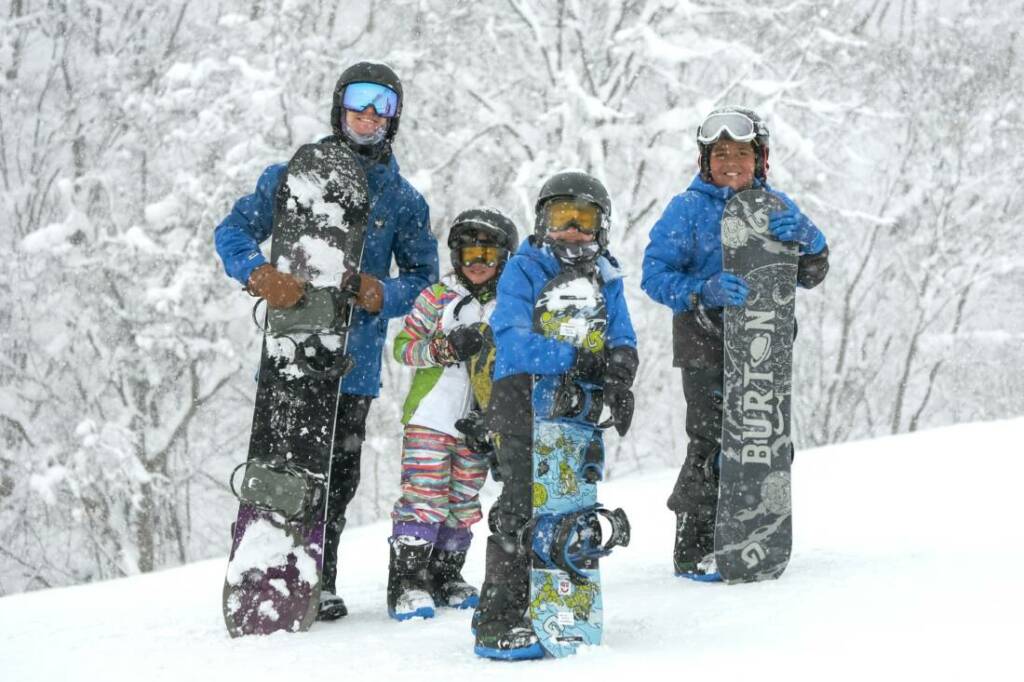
{"x": 565, "y": 533}
{"x": 754, "y": 523}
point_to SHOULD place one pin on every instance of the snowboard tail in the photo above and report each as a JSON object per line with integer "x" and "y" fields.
{"x": 277, "y": 552}
{"x": 753, "y": 529}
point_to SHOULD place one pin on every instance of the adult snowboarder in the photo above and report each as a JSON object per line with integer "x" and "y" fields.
{"x": 365, "y": 114}
{"x": 682, "y": 269}
{"x": 571, "y": 232}
{"x": 442, "y": 470}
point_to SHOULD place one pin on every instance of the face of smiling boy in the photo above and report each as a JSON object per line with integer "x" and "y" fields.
{"x": 732, "y": 164}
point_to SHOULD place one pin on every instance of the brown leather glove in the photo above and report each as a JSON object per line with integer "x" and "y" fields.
{"x": 278, "y": 289}
{"x": 369, "y": 292}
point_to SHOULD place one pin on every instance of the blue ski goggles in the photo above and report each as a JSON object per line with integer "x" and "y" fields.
{"x": 383, "y": 99}
{"x": 737, "y": 126}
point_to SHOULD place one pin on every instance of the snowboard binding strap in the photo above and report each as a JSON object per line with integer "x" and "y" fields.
{"x": 565, "y": 541}
{"x": 284, "y": 489}
{"x": 323, "y": 310}
{"x": 570, "y": 401}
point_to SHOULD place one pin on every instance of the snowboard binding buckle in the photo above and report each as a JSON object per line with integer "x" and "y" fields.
{"x": 592, "y": 469}
{"x": 571, "y": 542}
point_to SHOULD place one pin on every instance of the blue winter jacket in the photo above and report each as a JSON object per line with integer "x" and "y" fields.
{"x": 685, "y": 246}
{"x": 521, "y": 350}
{"x": 399, "y": 226}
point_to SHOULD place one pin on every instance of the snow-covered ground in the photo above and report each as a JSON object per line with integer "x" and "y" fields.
{"x": 905, "y": 567}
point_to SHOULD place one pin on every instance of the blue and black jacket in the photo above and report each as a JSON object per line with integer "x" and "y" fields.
{"x": 685, "y": 249}
{"x": 398, "y": 228}
{"x": 522, "y": 352}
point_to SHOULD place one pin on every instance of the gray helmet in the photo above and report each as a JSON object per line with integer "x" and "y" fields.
{"x": 760, "y": 143}
{"x": 367, "y": 72}
{"x": 576, "y": 185}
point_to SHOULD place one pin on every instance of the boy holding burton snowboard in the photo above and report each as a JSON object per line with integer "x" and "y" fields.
{"x": 683, "y": 270}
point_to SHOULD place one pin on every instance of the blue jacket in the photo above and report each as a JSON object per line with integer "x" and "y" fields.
{"x": 685, "y": 245}
{"x": 521, "y": 350}
{"x": 399, "y": 226}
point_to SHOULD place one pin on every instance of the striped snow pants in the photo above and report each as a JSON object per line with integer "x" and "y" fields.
{"x": 441, "y": 481}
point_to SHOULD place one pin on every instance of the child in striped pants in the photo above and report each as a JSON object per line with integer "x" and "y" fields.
{"x": 441, "y": 474}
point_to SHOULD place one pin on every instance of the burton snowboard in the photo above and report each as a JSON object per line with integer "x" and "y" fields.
{"x": 277, "y": 550}
{"x": 753, "y": 528}
{"x": 565, "y": 533}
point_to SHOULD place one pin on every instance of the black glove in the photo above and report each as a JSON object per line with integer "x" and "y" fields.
{"x": 472, "y": 426}
{"x": 620, "y": 402}
{"x": 622, "y": 364}
{"x": 589, "y": 366}
{"x": 465, "y": 342}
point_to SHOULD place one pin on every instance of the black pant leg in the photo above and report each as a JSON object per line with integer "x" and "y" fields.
{"x": 694, "y": 497}
{"x": 506, "y": 590}
{"x": 702, "y": 388}
{"x": 349, "y": 434}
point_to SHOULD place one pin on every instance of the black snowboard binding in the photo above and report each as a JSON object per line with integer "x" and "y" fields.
{"x": 568, "y": 541}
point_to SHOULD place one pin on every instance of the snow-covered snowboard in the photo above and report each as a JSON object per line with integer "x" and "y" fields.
{"x": 753, "y": 529}
{"x": 565, "y": 535}
{"x": 273, "y": 575}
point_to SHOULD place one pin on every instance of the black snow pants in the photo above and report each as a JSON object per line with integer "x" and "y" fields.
{"x": 506, "y": 590}
{"x": 695, "y": 496}
{"x": 349, "y": 434}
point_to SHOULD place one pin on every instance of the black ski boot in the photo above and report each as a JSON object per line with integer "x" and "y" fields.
{"x": 447, "y": 586}
{"x": 408, "y": 581}
{"x": 694, "y": 552}
{"x": 502, "y": 629}
{"x": 332, "y": 607}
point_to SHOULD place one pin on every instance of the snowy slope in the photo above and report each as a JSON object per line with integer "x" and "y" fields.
{"x": 905, "y": 567}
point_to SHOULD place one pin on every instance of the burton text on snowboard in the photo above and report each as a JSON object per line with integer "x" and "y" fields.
{"x": 753, "y": 528}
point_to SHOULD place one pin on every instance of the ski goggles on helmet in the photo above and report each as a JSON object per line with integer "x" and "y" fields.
{"x": 383, "y": 99}
{"x": 477, "y": 253}
{"x": 736, "y": 125}
{"x": 561, "y": 214}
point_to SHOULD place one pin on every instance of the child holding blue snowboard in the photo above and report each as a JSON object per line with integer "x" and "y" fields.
{"x": 571, "y": 232}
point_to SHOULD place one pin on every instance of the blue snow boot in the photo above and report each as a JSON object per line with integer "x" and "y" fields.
{"x": 447, "y": 586}
{"x": 507, "y": 642}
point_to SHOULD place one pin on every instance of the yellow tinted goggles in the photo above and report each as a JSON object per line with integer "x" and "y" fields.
{"x": 565, "y": 213}
{"x": 480, "y": 254}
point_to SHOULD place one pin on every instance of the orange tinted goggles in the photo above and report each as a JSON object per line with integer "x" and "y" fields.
{"x": 565, "y": 213}
{"x": 480, "y": 254}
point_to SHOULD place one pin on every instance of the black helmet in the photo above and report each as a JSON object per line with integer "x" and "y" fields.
{"x": 577, "y": 185}
{"x": 760, "y": 142}
{"x": 497, "y": 230}
{"x": 367, "y": 72}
